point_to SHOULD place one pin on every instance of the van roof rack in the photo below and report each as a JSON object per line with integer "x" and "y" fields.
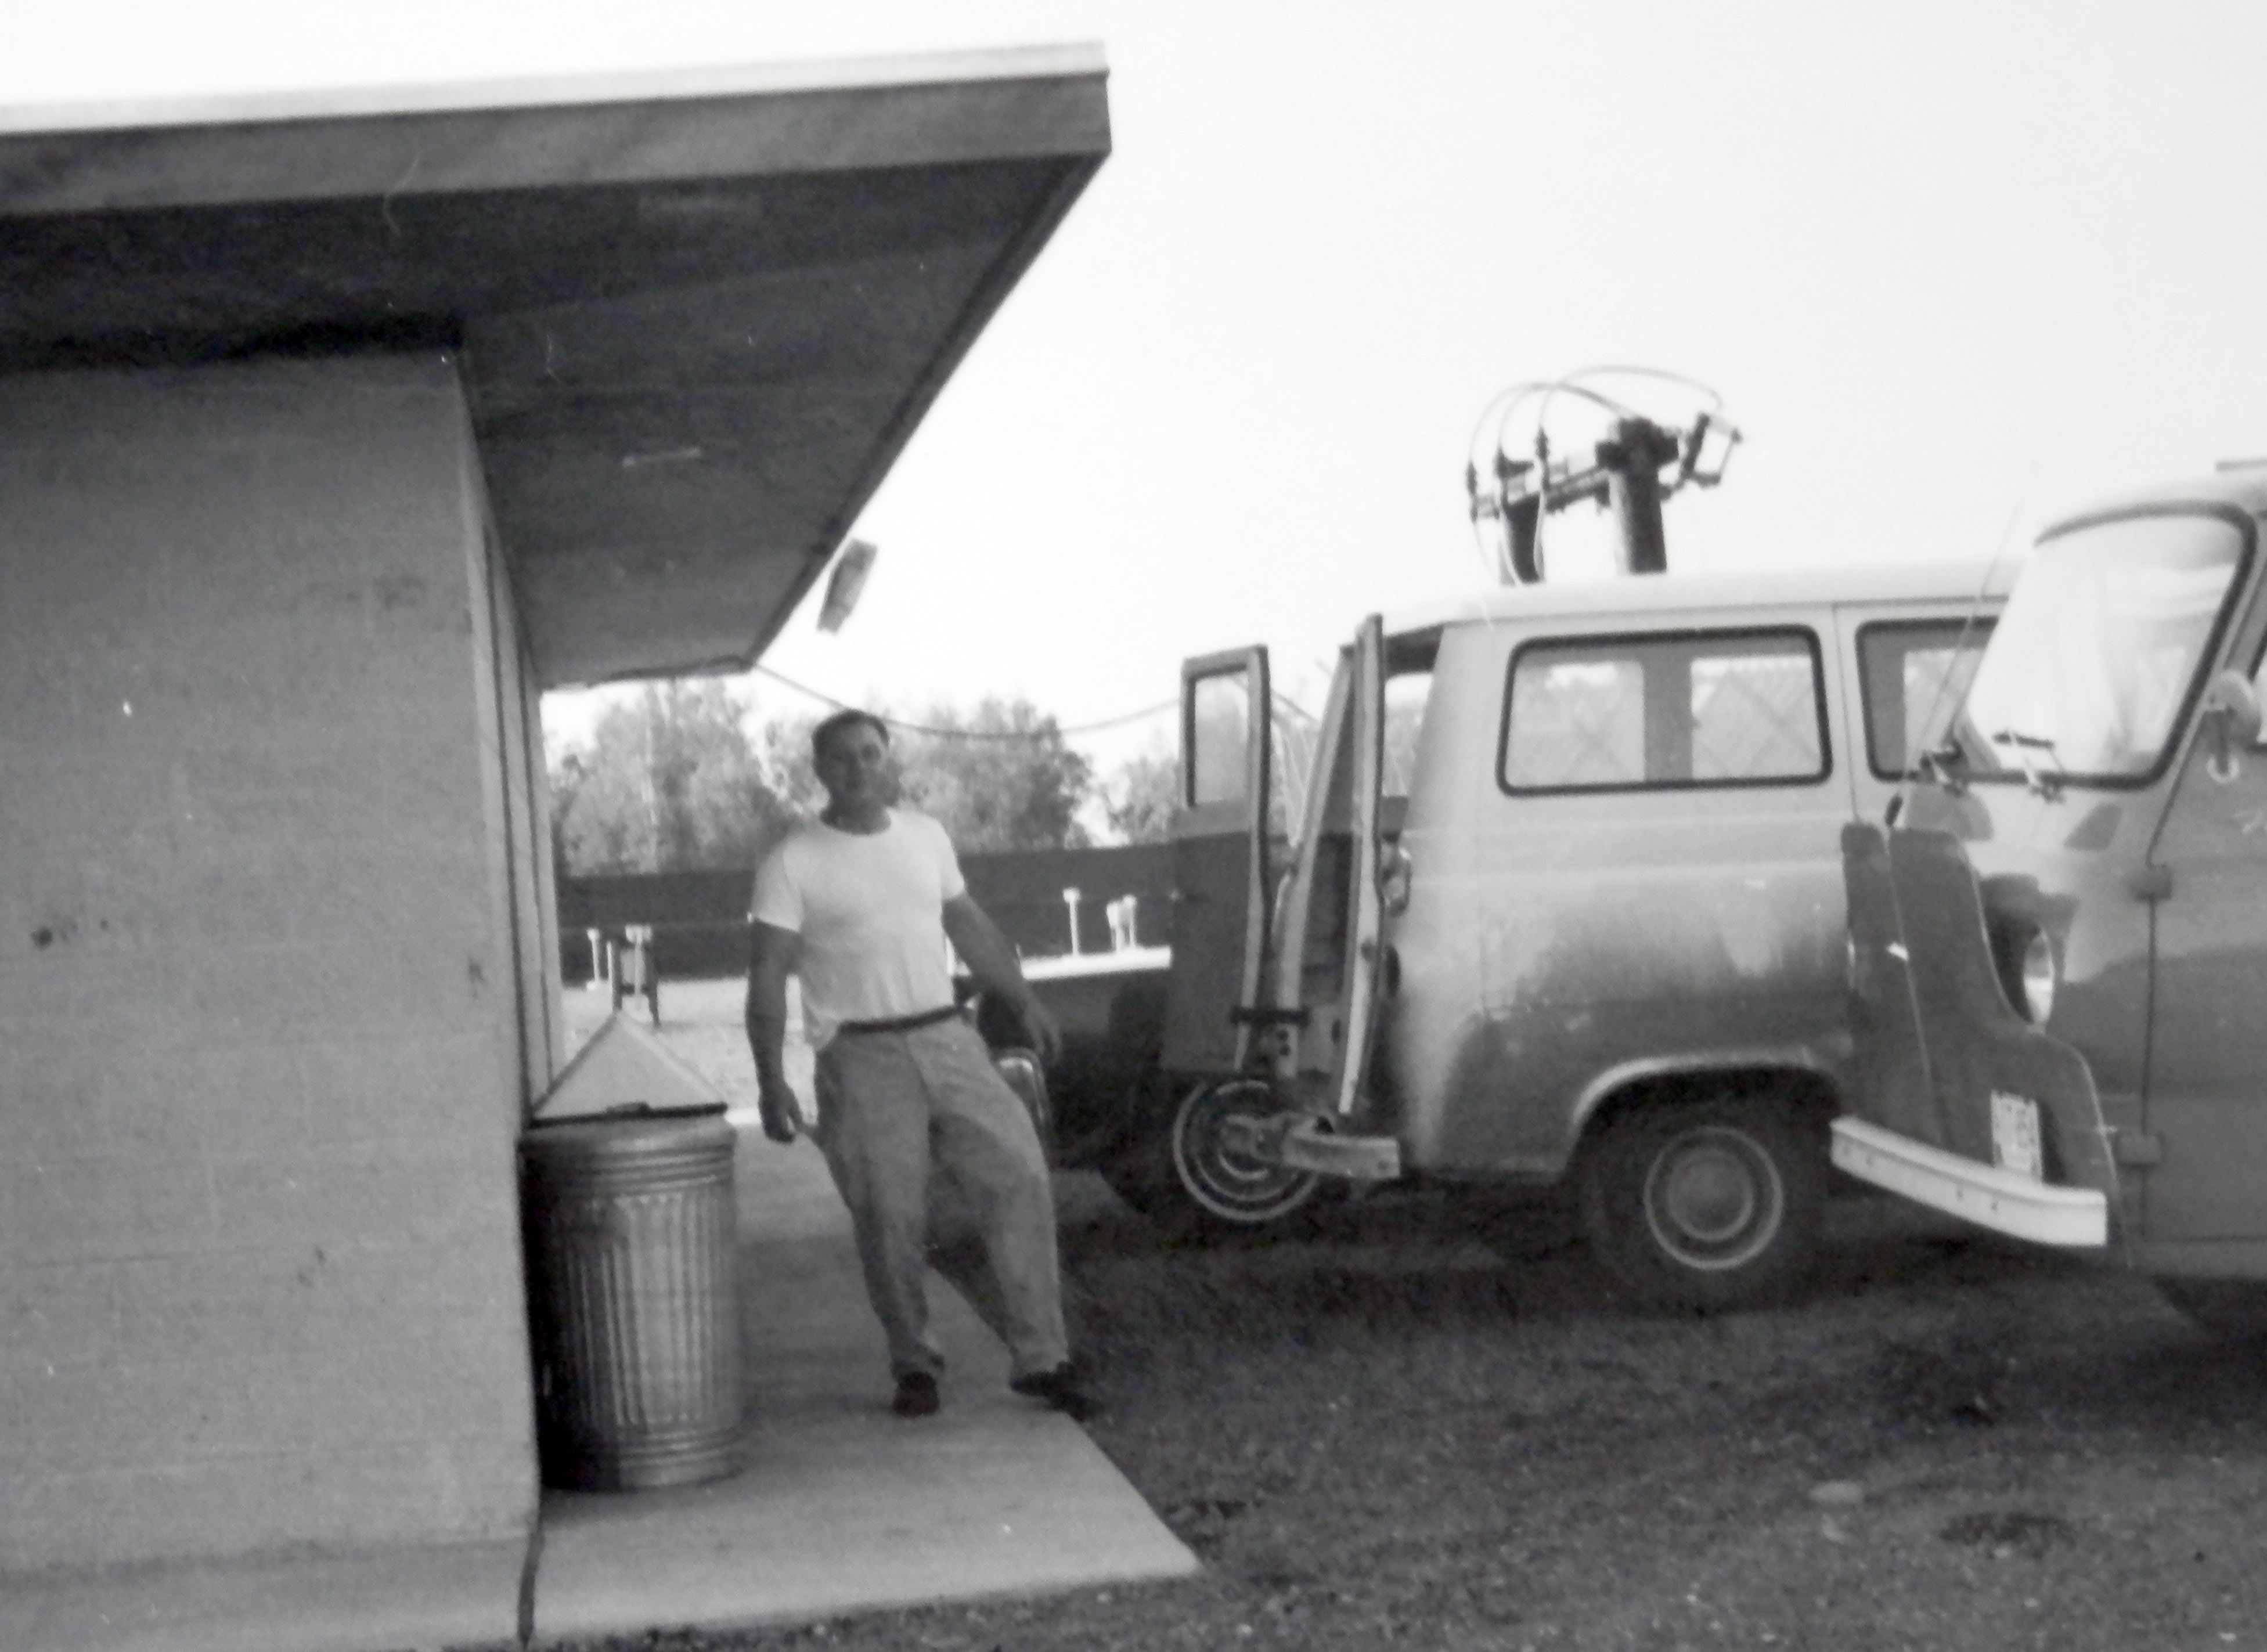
{"x": 1628, "y": 468}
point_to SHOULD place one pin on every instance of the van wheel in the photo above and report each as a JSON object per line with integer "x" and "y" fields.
{"x": 1706, "y": 1205}
{"x": 2233, "y": 1309}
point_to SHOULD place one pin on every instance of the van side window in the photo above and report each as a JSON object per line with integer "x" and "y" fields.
{"x": 1218, "y": 737}
{"x": 1912, "y": 675}
{"x": 1405, "y": 695}
{"x": 1665, "y": 709}
{"x": 1408, "y": 690}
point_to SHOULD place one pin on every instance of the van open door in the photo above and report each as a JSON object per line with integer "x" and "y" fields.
{"x": 1363, "y": 761}
{"x": 1959, "y": 1102}
{"x": 1220, "y": 874}
{"x": 1322, "y": 1005}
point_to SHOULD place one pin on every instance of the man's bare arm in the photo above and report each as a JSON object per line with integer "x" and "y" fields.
{"x": 771, "y": 955}
{"x": 992, "y": 960}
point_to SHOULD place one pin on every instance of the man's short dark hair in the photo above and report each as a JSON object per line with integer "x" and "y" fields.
{"x": 842, "y": 723}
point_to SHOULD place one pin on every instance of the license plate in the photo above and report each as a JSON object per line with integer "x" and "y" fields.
{"x": 2015, "y": 1135}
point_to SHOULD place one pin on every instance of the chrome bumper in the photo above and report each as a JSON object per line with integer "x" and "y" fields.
{"x": 1303, "y": 1142}
{"x": 1985, "y": 1195}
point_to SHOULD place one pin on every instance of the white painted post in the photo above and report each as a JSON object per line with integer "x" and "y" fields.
{"x": 1070, "y": 900}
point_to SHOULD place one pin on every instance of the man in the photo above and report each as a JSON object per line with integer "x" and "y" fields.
{"x": 859, "y": 904}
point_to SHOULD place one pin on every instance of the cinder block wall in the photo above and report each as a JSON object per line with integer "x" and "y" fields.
{"x": 263, "y": 973}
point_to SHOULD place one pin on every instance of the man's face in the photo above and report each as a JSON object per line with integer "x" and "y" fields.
{"x": 855, "y": 767}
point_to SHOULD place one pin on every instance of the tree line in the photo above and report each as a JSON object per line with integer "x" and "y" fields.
{"x": 684, "y": 777}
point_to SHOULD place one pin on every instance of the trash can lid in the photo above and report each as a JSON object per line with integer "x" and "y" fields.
{"x": 625, "y": 1072}
{"x": 626, "y": 1112}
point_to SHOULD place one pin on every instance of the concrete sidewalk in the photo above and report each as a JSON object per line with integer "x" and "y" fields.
{"x": 839, "y": 1507}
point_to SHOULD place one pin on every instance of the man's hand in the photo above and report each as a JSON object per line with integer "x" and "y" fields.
{"x": 992, "y": 960}
{"x": 782, "y": 1118}
{"x": 1040, "y": 1026}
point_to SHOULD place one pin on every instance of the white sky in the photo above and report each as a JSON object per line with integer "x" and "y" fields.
{"x": 1951, "y": 266}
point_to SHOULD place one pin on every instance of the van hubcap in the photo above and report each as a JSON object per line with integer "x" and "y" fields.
{"x": 1713, "y": 1198}
{"x": 1217, "y": 1173}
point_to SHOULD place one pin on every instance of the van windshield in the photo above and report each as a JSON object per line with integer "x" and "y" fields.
{"x": 2101, "y": 642}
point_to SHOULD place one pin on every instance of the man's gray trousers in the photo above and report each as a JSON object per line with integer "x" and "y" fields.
{"x": 895, "y": 1107}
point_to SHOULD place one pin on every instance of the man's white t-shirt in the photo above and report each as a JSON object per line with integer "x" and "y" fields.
{"x": 870, "y": 908}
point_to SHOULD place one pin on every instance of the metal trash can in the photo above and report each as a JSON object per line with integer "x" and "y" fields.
{"x": 630, "y": 1246}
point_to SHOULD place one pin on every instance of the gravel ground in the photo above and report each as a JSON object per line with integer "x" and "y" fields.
{"x": 1424, "y": 1420}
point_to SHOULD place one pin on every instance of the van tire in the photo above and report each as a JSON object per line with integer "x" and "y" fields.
{"x": 2234, "y": 1310}
{"x": 1709, "y": 1204}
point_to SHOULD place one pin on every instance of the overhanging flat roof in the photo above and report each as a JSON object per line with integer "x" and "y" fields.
{"x": 698, "y": 314}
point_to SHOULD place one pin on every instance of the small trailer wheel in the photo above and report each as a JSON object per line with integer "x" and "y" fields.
{"x": 1176, "y": 1168}
{"x": 1228, "y": 1186}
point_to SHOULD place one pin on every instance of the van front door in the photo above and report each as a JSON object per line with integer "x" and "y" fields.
{"x": 2204, "y": 1105}
{"x": 1219, "y": 859}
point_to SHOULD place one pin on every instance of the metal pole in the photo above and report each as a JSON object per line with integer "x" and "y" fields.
{"x": 1637, "y": 503}
{"x": 1633, "y": 462}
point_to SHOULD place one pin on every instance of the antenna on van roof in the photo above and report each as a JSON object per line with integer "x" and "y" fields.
{"x": 1630, "y": 469}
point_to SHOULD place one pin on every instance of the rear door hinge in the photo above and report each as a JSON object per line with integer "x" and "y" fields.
{"x": 2137, "y": 1147}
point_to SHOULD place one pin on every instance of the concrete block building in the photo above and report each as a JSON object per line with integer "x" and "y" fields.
{"x": 331, "y": 434}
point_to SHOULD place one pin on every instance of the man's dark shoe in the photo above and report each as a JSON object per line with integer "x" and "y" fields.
{"x": 1058, "y": 1391}
{"x": 916, "y": 1395}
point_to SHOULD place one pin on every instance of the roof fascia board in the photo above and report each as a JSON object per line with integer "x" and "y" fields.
{"x": 735, "y": 80}
{"x": 712, "y": 136}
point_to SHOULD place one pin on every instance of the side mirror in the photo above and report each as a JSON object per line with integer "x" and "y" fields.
{"x": 2231, "y": 717}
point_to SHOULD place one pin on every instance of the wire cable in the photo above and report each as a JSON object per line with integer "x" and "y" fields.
{"x": 934, "y": 732}
{"x": 1620, "y": 369}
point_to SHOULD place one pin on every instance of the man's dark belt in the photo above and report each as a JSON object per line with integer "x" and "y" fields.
{"x": 900, "y": 1023}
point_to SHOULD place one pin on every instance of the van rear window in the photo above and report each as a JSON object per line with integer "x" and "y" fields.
{"x": 1665, "y": 709}
{"x": 1915, "y": 673}
{"x": 1218, "y": 737}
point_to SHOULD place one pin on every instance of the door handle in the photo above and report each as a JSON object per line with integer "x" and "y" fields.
{"x": 1394, "y": 870}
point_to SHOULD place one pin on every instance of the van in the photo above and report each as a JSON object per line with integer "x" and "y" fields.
{"x": 1558, "y": 905}
{"x": 2058, "y": 939}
